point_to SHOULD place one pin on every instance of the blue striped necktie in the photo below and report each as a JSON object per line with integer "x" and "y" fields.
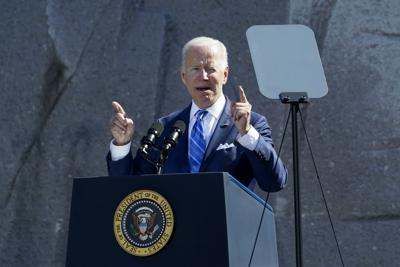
{"x": 197, "y": 142}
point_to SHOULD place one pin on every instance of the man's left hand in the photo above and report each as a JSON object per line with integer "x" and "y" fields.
{"x": 241, "y": 113}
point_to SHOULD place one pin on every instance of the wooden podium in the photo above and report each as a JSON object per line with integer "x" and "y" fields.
{"x": 215, "y": 221}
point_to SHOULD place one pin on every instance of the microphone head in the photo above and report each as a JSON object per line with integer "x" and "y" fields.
{"x": 180, "y": 125}
{"x": 157, "y": 128}
{"x": 170, "y": 141}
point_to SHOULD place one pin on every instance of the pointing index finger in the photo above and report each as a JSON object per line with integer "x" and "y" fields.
{"x": 118, "y": 108}
{"x": 242, "y": 95}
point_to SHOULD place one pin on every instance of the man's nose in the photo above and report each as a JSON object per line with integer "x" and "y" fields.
{"x": 204, "y": 74}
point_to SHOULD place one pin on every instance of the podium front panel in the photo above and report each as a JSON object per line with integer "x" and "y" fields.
{"x": 199, "y": 237}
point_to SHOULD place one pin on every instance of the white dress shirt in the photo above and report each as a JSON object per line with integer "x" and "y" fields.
{"x": 209, "y": 120}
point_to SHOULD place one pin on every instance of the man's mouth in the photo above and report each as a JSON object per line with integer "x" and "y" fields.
{"x": 203, "y": 88}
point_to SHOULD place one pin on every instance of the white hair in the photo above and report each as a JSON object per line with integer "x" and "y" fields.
{"x": 204, "y": 41}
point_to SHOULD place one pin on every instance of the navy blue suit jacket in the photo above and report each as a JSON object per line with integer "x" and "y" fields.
{"x": 243, "y": 164}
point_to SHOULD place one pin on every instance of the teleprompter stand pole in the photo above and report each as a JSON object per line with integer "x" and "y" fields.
{"x": 294, "y": 99}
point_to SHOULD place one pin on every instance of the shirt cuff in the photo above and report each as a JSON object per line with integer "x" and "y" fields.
{"x": 119, "y": 152}
{"x": 250, "y": 139}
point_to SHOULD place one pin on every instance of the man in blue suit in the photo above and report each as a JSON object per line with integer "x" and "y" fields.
{"x": 221, "y": 135}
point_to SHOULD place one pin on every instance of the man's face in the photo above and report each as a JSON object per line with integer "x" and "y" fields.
{"x": 204, "y": 74}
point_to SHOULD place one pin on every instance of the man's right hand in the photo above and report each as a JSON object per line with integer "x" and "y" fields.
{"x": 122, "y": 127}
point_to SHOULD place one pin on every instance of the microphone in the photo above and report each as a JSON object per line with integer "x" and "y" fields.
{"x": 152, "y": 134}
{"x": 171, "y": 140}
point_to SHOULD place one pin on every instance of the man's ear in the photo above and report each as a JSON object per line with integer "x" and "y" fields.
{"x": 226, "y": 72}
{"x": 183, "y": 77}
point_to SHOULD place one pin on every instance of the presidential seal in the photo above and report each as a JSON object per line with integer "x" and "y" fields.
{"x": 143, "y": 223}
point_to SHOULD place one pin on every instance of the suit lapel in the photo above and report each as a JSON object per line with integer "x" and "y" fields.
{"x": 222, "y": 130}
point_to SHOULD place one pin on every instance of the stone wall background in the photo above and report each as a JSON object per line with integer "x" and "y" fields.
{"x": 63, "y": 62}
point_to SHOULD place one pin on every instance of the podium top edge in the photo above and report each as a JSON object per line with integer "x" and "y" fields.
{"x": 225, "y": 174}
{"x": 164, "y": 174}
{"x": 251, "y": 193}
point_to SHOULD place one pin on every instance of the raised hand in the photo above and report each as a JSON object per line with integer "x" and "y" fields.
{"x": 122, "y": 127}
{"x": 241, "y": 113}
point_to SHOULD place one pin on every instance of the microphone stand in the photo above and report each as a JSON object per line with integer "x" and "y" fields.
{"x": 295, "y": 99}
{"x": 159, "y": 168}
{"x": 159, "y": 164}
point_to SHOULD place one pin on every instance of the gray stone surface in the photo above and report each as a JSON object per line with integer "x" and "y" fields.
{"x": 63, "y": 62}
{"x": 78, "y": 88}
{"x": 354, "y": 132}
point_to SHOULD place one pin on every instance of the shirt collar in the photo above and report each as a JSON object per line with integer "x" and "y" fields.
{"x": 215, "y": 110}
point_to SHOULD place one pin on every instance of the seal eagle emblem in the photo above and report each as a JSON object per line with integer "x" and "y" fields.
{"x": 143, "y": 223}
